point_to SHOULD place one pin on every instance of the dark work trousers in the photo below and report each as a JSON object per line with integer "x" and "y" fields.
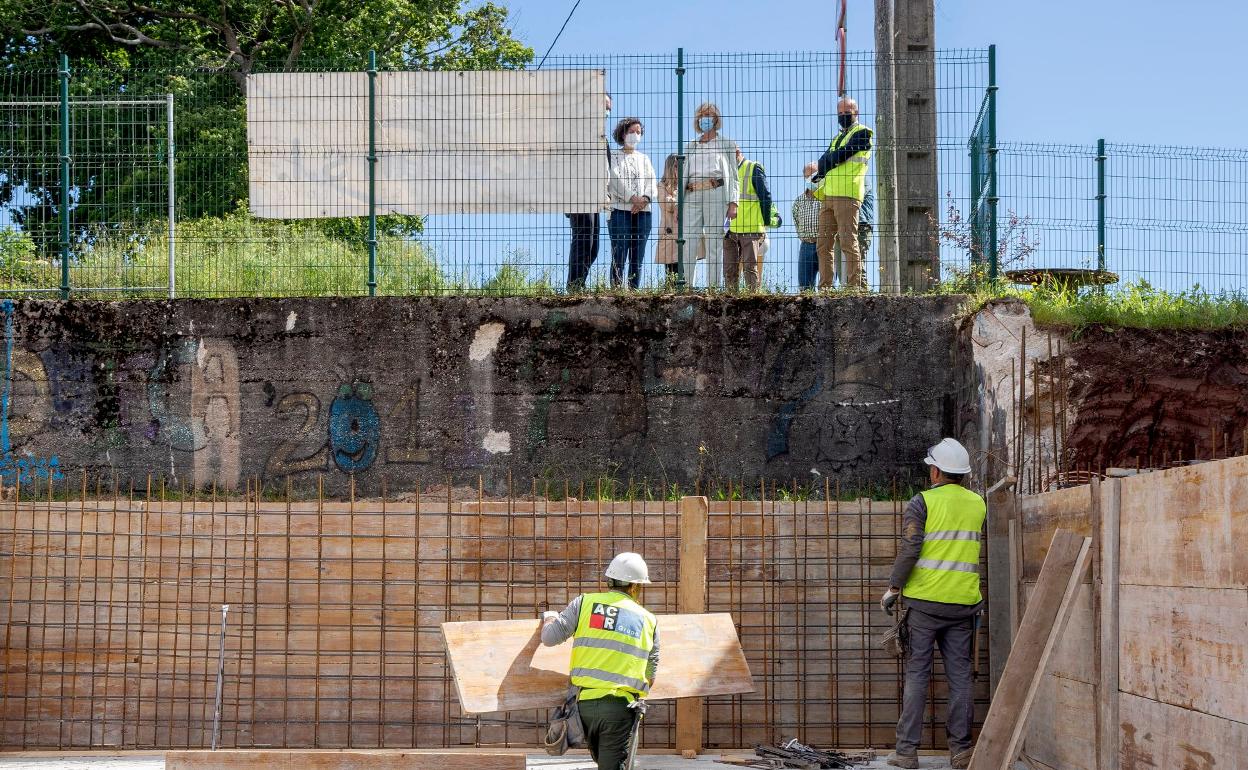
{"x": 954, "y": 639}
{"x": 629, "y": 233}
{"x": 584, "y": 249}
{"x": 608, "y": 726}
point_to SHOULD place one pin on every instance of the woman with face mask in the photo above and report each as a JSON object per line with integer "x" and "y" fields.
{"x": 631, "y": 189}
{"x": 711, "y": 194}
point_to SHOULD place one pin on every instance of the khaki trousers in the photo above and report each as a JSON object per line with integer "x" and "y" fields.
{"x": 741, "y": 255}
{"x": 838, "y": 220}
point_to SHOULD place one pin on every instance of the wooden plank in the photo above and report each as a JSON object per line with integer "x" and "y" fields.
{"x": 479, "y": 759}
{"x": 1016, "y": 581}
{"x": 1001, "y": 510}
{"x": 1108, "y": 726}
{"x": 1186, "y": 647}
{"x": 1074, "y": 657}
{"x": 1043, "y": 625}
{"x": 1061, "y": 732}
{"x": 690, "y": 599}
{"x": 1158, "y": 735}
{"x": 501, "y": 665}
{"x": 1192, "y": 522}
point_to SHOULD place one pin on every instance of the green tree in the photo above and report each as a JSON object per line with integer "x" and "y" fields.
{"x": 201, "y": 51}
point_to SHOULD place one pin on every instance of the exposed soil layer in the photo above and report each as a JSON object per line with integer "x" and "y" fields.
{"x": 1156, "y": 398}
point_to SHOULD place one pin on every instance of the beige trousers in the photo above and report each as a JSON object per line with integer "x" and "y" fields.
{"x": 838, "y": 219}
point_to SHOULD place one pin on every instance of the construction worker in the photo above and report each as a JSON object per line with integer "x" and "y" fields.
{"x": 743, "y": 243}
{"x": 839, "y": 179}
{"x": 615, "y": 653}
{"x": 937, "y": 575}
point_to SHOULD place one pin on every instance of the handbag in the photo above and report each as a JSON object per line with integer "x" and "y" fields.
{"x": 565, "y": 730}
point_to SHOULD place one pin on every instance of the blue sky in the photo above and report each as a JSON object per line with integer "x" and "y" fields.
{"x": 1070, "y": 71}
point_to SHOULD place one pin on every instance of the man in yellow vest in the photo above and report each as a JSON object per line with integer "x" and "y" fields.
{"x": 839, "y": 179}
{"x": 615, "y": 653}
{"x": 743, "y": 243}
{"x": 937, "y": 574}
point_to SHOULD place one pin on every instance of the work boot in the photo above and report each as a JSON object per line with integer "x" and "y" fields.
{"x": 961, "y": 760}
{"x": 910, "y": 761}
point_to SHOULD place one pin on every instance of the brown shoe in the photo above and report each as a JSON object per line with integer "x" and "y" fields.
{"x": 909, "y": 761}
{"x": 961, "y": 760}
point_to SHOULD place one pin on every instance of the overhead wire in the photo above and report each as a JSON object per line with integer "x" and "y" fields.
{"x": 559, "y": 34}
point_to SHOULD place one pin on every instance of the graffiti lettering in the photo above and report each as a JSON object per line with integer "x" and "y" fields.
{"x": 408, "y": 449}
{"x": 283, "y": 462}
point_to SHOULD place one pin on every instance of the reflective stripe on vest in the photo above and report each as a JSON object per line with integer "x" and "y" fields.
{"x": 611, "y": 646}
{"x": 948, "y": 566}
{"x": 749, "y": 217}
{"x": 849, "y": 179}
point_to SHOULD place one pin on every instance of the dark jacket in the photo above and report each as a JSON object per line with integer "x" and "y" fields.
{"x": 760, "y": 189}
{"x": 859, "y": 142}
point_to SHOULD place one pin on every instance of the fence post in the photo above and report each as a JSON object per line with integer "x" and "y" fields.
{"x": 372, "y": 173}
{"x": 1100, "y": 205}
{"x": 172, "y": 189}
{"x": 681, "y": 279}
{"x": 65, "y": 180}
{"x": 691, "y": 598}
{"x": 994, "y": 264}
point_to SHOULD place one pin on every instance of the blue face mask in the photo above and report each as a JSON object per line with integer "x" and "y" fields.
{"x": 706, "y": 124}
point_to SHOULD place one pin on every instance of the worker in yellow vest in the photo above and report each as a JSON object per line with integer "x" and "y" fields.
{"x": 936, "y": 574}
{"x": 839, "y": 179}
{"x": 615, "y": 654}
{"x": 743, "y": 243}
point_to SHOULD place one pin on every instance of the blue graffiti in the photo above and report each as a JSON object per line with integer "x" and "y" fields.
{"x": 14, "y": 469}
{"x": 354, "y": 427}
{"x": 778, "y": 436}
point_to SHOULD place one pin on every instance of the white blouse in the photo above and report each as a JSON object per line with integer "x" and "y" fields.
{"x": 716, "y": 159}
{"x": 631, "y": 174}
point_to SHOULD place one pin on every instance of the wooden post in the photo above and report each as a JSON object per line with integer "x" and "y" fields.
{"x": 691, "y": 598}
{"x": 1107, "y": 590}
{"x": 1000, "y": 577}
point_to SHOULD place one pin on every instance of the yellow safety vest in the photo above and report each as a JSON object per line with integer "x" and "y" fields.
{"x": 849, "y": 179}
{"x": 749, "y": 217}
{"x": 948, "y": 566}
{"x": 611, "y": 646}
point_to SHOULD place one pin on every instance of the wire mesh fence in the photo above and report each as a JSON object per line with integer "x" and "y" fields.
{"x": 95, "y": 197}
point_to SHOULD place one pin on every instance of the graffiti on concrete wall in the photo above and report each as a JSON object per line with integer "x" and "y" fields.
{"x": 24, "y": 399}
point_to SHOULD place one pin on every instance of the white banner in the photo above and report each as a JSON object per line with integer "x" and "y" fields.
{"x": 447, "y": 143}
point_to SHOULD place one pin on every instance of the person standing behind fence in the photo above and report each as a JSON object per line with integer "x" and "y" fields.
{"x": 631, "y": 190}
{"x": 584, "y": 248}
{"x": 713, "y": 191}
{"x": 839, "y": 179}
{"x": 744, "y": 240}
{"x": 806, "y": 220}
{"x": 669, "y": 184}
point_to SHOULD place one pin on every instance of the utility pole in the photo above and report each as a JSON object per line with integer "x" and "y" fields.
{"x": 918, "y": 186}
{"x": 887, "y": 223}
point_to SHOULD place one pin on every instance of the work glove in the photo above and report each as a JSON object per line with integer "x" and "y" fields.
{"x": 889, "y": 599}
{"x": 549, "y": 615}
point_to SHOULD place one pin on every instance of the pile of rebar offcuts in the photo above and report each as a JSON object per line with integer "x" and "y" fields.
{"x": 793, "y": 753}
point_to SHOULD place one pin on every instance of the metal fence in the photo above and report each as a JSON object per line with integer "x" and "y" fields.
{"x": 100, "y": 196}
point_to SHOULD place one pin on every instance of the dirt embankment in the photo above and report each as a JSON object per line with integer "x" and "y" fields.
{"x": 1156, "y": 397}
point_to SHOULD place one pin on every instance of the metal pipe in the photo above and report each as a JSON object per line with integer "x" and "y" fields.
{"x": 172, "y": 185}
{"x": 64, "y": 213}
{"x": 216, "y": 716}
{"x": 372, "y": 173}
{"x": 681, "y": 279}
{"x": 1100, "y": 204}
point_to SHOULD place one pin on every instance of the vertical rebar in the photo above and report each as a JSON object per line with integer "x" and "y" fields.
{"x": 372, "y": 173}
{"x": 216, "y": 713}
{"x": 169, "y": 160}
{"x": 65, "y": 180}
{"x": 1100, "y": 204}
{"x": 681, "y": 279}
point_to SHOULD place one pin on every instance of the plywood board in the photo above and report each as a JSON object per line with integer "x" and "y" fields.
{"x": 1061, "y": 732}
{"x": 1042, "y": 626}
{"x": 1042, "y": 515}
{"x": 502, "y": 666}
{"x": 479, "y": 759}
{"x": 1158, "y": 735}
{"x": 1187, "y": 647}
{"x": 1075, "y": 654}
{"x": 1192, "y": 522}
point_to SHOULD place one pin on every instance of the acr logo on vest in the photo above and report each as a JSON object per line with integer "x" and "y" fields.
{"x": 621, "y": 621}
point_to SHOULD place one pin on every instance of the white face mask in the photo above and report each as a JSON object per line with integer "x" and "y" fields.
{"x": 631, "y": 140}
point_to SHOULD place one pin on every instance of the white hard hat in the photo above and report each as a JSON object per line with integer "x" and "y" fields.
{"x": 629, "y": 567}
{"x": 949, "y": 456}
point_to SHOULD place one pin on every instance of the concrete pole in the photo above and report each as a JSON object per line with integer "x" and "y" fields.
{"x": 918, "y": 193}
{"x": 886, "y": 224}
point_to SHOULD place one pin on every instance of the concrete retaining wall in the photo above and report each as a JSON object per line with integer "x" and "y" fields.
{"x": 669, "y": 389}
